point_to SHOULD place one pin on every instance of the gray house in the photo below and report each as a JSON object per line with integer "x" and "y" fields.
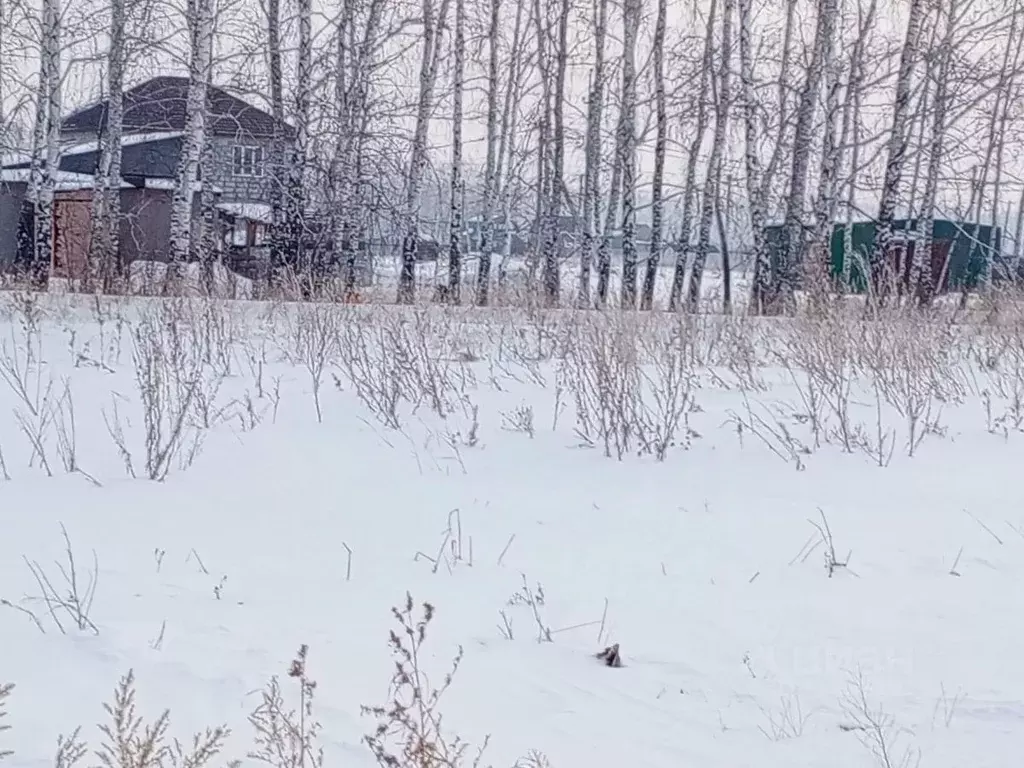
{"x": 155, "y": 118}
{"x": 240, "y": 137}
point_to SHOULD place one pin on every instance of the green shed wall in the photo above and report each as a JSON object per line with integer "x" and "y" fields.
{"x": 973, "y": 248}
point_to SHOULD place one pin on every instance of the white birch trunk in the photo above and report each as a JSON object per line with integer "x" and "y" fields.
{"x": 752, "y": 160}
{"x": 627, "y": 147}
{"x": 504, "y": 179}
{"x": 927, "y": 282}
{"x": 817, "y": 264}
{"x": 592, "y": 168}
{"x": 278, "y": 162}
{"x": 456, "y": 199}
{"x": 690, "y": 183}
{"x": 611, "y": 222}
{"x": 802, "y": 145}
{"x": 709, "y": 194}
{"x": 50, "y": 92}
{"x": 433, "y": 27}
{"x": 765, "y": 282}
{"x": 660, "y": 140}
{"x": 851, "y": 133}
{"x": 483, "y": 275}
{"x": 104, "y": 241}
{"x": 296, "y": 257}
{"x": 195, "y": 135}
{"x": 896, "y": 148}
{"x": 556, "y": 190}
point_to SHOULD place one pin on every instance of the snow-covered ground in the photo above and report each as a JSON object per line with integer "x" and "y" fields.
{"x": 788, "y": 587}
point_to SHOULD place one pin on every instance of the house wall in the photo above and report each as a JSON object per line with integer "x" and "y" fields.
{"x": 11, "y": 197}
{"x": 154, "y": 159}
{"x": 146, "y": 224}
{"x": 235, "y": 188}
{"x": 160, "y": 158}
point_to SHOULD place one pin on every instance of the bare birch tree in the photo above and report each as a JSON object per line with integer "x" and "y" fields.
{"x": 296, "y": 199}
{"x": 627, "y": 148}
{"x": 661, "y": 138}
{"x": 592, "y": 159}
{"x": 721, "y": 83}
{"x": 278, "y": 162}
{"x": 46, "y": 149}
{"x": 794, "y": 221}
{"x": 455, "y": 225}
{"x": 896, "y": 149}
{"x": 765, "y": 283}
{"x": 433, "y": 21}
{"x": 556, "y": 185}
{"x": 752, "y": 160}
{"x": 817, "y": 259}
{"x": 492, "y": 169}
{"x": 105, "y": 235}
{"x": 682, "y": 247}
{"x": 201, "y": 26}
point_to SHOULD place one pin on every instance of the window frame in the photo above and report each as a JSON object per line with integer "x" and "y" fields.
{"x": 247, "y": 161}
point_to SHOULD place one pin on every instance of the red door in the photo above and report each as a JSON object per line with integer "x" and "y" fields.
{"x": 72, "y": 218}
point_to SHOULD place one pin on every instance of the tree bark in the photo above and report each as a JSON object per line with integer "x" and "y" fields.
{"x": 818, "y": 261}
{"x": 433, "y": 27}
{"x": 802, "y": 145}
{"x": 592, "y": 167}
{"x": 660, "y": 140}
{"x": 752, "y": 160}
{"x": 50, "y": 94}
{"x": 690, "y": 184}
{"x": 552, "y": 272}
{"x": 194, "y": 139}
{"x": 896, "y": 150}
{"x": 456, "y": 200}
{"x": 709, "y": 194}
{"x": 105, "y": 229}
{"x": 483, "y": 275}
{"x": 627, "y": 147}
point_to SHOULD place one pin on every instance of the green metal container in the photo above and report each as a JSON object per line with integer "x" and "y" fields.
{"x": 971, "y": 249}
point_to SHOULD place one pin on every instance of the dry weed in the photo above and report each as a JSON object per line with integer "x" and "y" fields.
{"x": 286, "y": 738}
{"x": 876, "y": 729}
{"x": 130, "y": 742}
{"x": 5, "y": 692}
{"x": 72, "y": 597}
{"x": 409, "y": 731}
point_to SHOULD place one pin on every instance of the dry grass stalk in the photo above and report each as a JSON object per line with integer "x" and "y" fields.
{"x": 286, "y": 738}
{"x": 876, "y": 729}
{"x": 409, "y": 731}
{"x": 5, "y": 692}
{"x": 73, "y": 598}
{"x": 130, "y": 742}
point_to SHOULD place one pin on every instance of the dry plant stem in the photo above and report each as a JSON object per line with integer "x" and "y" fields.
{"x": 408, "y": 731}
{"x": 832, "y": 563}
{"x": 130, "y": 742}
{"x": 73, "y": 599}
{"x": 167, "y": 380}
{"x": 788, "y": 723}
{"x": 22, "y": 370}
{"x": 286, "y": 738}
{"x": 316, "y": 344}
{"x": 71, "y": 750}
{"x": 876, "y": 729}
{"x": 5, "y": 693}
{"x": 23, "y": 610}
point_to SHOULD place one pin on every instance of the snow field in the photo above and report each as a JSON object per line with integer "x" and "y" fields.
{"x": 788, "y": 584}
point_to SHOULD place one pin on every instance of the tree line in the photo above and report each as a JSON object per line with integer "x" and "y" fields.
{"x": 700, "y": 122}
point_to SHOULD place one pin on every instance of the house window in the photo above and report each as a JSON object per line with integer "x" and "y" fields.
{"x": 247, "y": 161}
